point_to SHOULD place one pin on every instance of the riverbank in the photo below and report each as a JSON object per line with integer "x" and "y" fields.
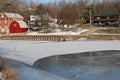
{"x": 7, "y": 72}
{"x": 16, "y": 70}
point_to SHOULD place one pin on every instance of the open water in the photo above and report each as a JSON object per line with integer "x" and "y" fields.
{"x": 100, "y": 65}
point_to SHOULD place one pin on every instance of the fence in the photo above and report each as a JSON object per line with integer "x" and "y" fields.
{"x": 39, "y": 37}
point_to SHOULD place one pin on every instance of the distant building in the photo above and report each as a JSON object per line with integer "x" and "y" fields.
{"x": 41, "y": 22}
{"x": 34, "y": 17}
{"x": 107, "y": 18}
{"x": 7, "y": 18}
{"x": 18, "y": 27}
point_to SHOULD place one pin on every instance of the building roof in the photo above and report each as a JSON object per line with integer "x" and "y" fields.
{"x": 13, "y": 15}
{"x": 106, "y": 20}
{"x": 22, "y": 24}
{"x": 107, "y": 13}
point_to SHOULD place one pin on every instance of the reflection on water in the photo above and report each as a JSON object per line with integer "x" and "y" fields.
{"x": 101, "y": 65}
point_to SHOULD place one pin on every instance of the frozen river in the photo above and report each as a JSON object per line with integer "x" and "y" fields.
{"x": 30, "y": 51}
{"x": 72, "y": 60}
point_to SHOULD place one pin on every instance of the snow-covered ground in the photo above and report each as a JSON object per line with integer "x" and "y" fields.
{"x": 30, "y": 51}
{"x": 2, "y": 76}
{"x": 60, "y": 33}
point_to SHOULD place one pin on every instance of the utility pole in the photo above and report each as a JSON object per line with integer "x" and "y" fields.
{"x": 90, "y": 18}
{"x": 119, "y": 21}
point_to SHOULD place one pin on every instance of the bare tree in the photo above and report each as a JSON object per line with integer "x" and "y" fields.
{"x": 68, "y": 14}
{"x": 107, "y": 5}
{"x": 80, "y": 7}
{"x": 52, "y": 9}
{"x": 10, "y": 5}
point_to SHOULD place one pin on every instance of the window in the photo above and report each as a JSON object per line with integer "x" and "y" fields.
{"x": 108, "y": 17}
{"x": 0, "y": 23}
{"x": 6, "y": 23}
{"x": 15, "y": 25}
{"x": 98, "y": 18}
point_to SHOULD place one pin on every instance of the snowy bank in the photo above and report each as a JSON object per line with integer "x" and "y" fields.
{"x": 2, "y": 76}
{"x": 30, "y": 51}
{"x": 59, "y": 33}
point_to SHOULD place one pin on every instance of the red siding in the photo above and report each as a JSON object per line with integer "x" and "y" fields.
{"x": 15, "y": 28}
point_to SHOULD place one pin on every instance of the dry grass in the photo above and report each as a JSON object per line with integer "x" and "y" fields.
{"x": 10, "y": 75}
{"x": 110, "y": 31}
{"x": 104, "y": 37}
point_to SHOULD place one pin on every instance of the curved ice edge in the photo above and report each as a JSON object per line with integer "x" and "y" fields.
{"x": 30, "y": 51}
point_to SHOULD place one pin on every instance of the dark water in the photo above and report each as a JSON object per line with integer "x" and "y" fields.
{"x": 101, "y": 65}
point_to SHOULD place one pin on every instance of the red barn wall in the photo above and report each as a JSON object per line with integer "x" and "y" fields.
{"x": 15, "y": 28}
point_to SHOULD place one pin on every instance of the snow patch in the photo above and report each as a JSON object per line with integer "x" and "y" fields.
{"x": 59, "y": 33}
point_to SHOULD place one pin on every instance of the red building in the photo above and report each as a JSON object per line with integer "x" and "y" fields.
{"x": 7, "y": 18}
{"x": 18, "y": 27}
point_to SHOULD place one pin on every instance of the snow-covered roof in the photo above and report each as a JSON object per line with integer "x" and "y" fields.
{"x": 22, "y": 24}
{"x": 13, "y": 15}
